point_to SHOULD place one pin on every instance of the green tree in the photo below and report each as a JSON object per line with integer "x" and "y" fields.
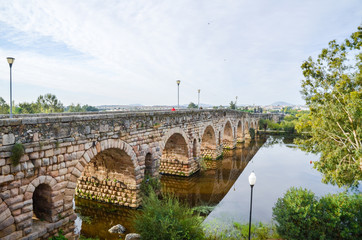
{"x": 49, "y": 103}
{"x": 232, "y": 105}
{"x": 192, "y": 105}
{"x": 27, "y": 108}
{"x": 75, "y": 108}
{"x": 4, "y": 107}
{"x": 332, "y": 90}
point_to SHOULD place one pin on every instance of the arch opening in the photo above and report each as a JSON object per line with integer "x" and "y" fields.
{"x": 110, "y": 177}
{"x": 175, "y": 157}
{"x": 228, "y": 136}
{"x": 42, "y": 203}
{"x": 175, "y": 149}
{"x": 208, "y": 144}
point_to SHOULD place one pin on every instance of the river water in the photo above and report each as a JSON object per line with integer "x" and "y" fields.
{"x": 277, "y": 163}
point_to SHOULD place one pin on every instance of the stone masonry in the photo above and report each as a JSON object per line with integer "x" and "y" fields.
{"x": 100, "y": 156}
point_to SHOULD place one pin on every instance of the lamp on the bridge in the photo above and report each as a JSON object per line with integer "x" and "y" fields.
{"x": 178, "y": 93}
{"x": 11, "y": 61}
{"x": 198, "y": 99}
{"x": 252, "y": 180}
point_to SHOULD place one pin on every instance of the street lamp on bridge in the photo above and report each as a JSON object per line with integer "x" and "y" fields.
{"x": 178, "y": 93}
{"x": 198, "y": 99}
{"x": 11, "y": 61}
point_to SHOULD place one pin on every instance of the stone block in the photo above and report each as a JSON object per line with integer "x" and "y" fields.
{"x": 6, "y": 223}
{"x": 4, "y": 215}
{"x": 23, "y": 217}
{"x": 8, "y": 139}
{"x": 7, "y": 232}
{"x": 5, "y": 170}
{"x": 6, "y": 178}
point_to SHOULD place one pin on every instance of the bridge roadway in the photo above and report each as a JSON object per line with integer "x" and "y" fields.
{"x": 101, "y": 156}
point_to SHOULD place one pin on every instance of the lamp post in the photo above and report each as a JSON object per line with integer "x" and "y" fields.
{"x": 11, "y": 61}
{"x": 178, "y": 94}
{"x": 198, "y": 99}
{"x": 252, "y": 180}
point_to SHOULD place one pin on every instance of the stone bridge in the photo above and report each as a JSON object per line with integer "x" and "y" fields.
{"x": 100, "y": 156}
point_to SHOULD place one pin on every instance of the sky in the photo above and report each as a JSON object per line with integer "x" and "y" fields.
{"x": 118, "y": 52}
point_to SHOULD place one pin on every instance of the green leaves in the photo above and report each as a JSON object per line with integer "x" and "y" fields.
{"x": 332, "y": 90}
{"x": 300, "y": 215}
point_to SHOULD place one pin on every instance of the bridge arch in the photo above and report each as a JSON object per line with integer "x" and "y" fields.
{"x": 208, "y": 143}
{"x": 108, "y": 164}
{"x": 228, "y": 136}
{"x": 46, "y": 203}
{"x": 176, "y": 153}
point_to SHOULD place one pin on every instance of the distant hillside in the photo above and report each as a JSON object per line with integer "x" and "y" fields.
{"x": 281, "y": 104}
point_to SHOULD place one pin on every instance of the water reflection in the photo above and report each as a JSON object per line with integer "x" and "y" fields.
{"x": 209, "y": 187}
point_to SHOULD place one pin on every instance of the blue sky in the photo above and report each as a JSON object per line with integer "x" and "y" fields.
{"x": 127, "y": 52}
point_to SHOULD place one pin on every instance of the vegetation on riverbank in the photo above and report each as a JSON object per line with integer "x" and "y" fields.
{"x": 301, "y": 215}
{"x": 47, "y": 103}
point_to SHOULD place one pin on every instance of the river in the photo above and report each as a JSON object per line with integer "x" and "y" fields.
{"x": 277, "y": 163}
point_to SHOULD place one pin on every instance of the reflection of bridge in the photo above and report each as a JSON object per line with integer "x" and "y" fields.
{"x": 101, "y": 156}
{"x": 209, "y": 187}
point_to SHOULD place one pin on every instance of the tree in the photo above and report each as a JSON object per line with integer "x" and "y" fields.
{"x": 233, "y": 105}
{"x": 332, "y": 89}
{"x": 4, "y": 107}
{"x": 192, "y": 105}
{"x": 49, "y": 103}
{"x": 26, "y": 108}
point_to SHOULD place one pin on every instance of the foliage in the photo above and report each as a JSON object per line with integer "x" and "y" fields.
{"x": 252, "y": 133}
{"x": 167, "y": 219}
{"x": 192, "y": 105}
{"x": 300, "y": 215}
{"x": 59, "y": 237}
{"x": 239, "y": 231}
{"x": 49, "y": 103}
{"x": 150, "y": 184}
{"x": 296, "y": 214}
{"x": 263, "y": 124}
{"x": 4, "y": 107}
{"x": 232, "y": 105}
{"x": 79, "y": 108}
{"x": 16, "y": 153}
{"x": 203, "y": 209}
{"x": 332, "y": 89}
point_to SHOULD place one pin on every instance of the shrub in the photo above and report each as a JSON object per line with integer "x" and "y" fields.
{"x": 150, "y": 184}
{"x": 167, "y": 219}
{"x": 300, "y": 215}
{"x": 16, "y": 153}
{"x": 295, "y": 214}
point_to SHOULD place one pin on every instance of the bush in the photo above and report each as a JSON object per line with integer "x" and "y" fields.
{"x": 300, "y": 215}
{"x": 239, "y": 231}
{"x": 150, "y": 184}
{"x": 167, "y": 219}
{"x": 16, "y": 153}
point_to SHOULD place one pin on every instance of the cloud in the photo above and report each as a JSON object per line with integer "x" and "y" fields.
{"x": 123, "y": 52}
